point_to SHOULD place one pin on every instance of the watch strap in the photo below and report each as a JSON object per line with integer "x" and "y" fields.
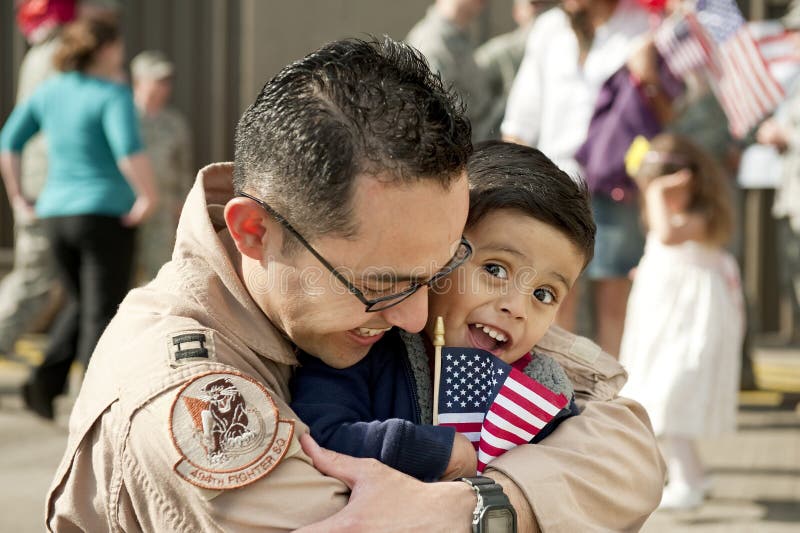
{"x": 489, "y": 492}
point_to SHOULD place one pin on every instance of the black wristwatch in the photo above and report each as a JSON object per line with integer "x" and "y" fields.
{"x": 494, "y": 513}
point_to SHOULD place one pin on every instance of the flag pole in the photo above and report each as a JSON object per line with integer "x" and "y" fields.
{"x": 438, "y": 342}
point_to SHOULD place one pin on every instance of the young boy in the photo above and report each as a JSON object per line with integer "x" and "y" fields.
{"x": 532, "y": 232}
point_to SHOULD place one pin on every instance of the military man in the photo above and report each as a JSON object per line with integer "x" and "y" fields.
{"x": 347, "y": 198}
{"x": 443, "y": 37}
{"x": 25, "y": 291}
{"x": 168, "y": 142}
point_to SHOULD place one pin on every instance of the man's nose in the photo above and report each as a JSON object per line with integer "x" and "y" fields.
{"x": 411, "y": 314}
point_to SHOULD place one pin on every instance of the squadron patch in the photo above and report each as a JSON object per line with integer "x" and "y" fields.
{"x": 226, "y": 428}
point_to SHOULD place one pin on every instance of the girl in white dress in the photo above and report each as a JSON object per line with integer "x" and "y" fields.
{"x": 685, "y": 322}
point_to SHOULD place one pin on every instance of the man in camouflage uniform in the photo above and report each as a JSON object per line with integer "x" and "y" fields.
{"x": 25, "y": 291}
{"x": 442, "y": 36}
{"x": 167, "y": 140}
{"x": 501, "y": 56}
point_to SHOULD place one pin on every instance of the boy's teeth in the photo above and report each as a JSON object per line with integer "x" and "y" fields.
{"x": 493, "y": 333}
{"x": 369, "y": 332}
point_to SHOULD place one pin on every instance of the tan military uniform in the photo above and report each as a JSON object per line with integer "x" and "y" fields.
{"x": 183, "y": 424}
{"x": 168, "y": 143}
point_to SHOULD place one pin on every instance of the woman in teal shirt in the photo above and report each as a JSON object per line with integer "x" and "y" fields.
{"x": 99, "y": 187}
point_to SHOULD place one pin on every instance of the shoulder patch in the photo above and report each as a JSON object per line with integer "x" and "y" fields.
{"x": 190, "y": 345}
{"x": 226, "y": 428}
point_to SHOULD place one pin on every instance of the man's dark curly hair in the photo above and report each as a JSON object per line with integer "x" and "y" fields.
{"x": 352, "y": 107}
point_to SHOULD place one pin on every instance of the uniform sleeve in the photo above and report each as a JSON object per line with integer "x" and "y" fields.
{"x": 523, "y": 108}
{"x": 336, "y": 404}
{"x": 22, "y": 124}
{"x": 121, "y": 125}
{"x": 600, "y": 471}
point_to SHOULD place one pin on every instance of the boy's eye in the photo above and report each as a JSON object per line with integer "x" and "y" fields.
{"x": 496, "y": 270}
{"x": 545, "y": 296}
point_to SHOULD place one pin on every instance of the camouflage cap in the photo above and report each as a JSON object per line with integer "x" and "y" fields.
{"x": 151, "y": 65}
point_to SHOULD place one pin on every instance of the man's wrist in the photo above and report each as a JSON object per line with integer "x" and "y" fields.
{"x": 493, "y": 512}
{"x": 462, "y": 500}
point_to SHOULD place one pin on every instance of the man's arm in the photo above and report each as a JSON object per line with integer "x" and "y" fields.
{"x": 600, "y": 470}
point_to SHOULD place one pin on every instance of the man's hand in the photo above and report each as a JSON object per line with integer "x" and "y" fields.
{"x": 383, "y": 499}
{"x": 643, "y": 63}
{"x": 772, "y": 133}
{"x": 463, "y": 459}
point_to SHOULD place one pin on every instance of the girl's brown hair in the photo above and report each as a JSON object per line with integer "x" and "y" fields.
{"x": 81, "y": 40}
{"x": 709, "y": 191}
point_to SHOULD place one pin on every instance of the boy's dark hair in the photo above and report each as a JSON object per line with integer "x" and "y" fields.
{"x": 511, "y": 176}
{"x": 352, "y": 107}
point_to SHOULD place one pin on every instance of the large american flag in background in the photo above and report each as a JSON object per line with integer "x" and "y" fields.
{"x": 714, "y": 36}
{"x": 493, "y": 404}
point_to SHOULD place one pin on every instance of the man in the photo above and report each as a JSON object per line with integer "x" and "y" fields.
{"x": 347, "y": 198}
{"x": 442, "y": 36}
{"x": 25, "y": 291}
{"x": 501, "y": 56}
{"x": 168, "y": 142}
{"x": 571, "y": 52}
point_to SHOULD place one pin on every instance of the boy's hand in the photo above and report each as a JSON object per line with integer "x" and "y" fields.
{"x": 463, "y": 459}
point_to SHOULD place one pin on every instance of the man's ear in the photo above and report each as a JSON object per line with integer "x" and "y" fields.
{"x": 247, "y": 223}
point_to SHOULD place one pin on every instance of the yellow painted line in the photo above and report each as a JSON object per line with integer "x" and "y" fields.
{"x": 760, "y": 398}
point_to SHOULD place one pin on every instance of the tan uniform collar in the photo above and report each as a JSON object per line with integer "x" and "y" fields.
{"x": 202, "y": 236}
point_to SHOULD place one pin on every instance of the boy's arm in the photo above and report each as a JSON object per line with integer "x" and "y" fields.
{"x": 336, "y": 405}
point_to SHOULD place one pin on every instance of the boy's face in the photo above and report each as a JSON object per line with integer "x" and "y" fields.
{"x": 506, "y": 296}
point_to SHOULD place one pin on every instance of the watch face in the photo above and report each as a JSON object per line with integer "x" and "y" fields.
{"x": 498, "y": 521}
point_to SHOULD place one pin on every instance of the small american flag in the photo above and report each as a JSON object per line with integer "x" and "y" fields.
{"x": 714, "y": 36}
{"x": 681, "y": 44}
{"x": 492, "y": 403}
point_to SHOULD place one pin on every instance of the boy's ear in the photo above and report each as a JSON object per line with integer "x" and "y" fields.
{"x": 247, "y": 223}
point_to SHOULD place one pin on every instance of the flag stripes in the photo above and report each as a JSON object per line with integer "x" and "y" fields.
{"x": 494, "y": 405}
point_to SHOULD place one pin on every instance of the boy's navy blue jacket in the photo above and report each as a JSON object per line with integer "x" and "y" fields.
{"x": 371, "y": 409}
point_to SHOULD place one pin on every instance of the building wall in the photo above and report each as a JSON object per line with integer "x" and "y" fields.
{"x": 225, "y": 50}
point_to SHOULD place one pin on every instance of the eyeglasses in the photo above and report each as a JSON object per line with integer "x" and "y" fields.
{"x": 382, "y": 303}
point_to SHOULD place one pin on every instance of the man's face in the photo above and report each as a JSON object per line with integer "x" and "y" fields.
{"x": 155, "y": 93}
{"x": 506, "y": 296}
{"x": 403, "y": 232}
{"x": 575, "y": 7}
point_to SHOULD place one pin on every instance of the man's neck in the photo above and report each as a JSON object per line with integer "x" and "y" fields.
{"x": 457, "y": 17}
{"x": 600, "y": 11}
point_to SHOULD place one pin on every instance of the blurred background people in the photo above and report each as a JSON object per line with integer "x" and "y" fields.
{"x": 167, "y": 140}
{"x": 783, "y": 132}
{"x": 25, "y": 291}
{"x": 99, "y": 186}
{"x": 685, "y": 325}
{"x": 443, "y": 37}
{"x": 571, "y": 52}
{"x": 500, "y": 57}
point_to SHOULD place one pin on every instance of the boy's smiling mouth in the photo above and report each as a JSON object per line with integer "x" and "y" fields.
{"x": 488, "y": 338}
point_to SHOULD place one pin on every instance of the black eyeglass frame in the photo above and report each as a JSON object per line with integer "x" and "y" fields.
{"x": 371, "y": 304}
